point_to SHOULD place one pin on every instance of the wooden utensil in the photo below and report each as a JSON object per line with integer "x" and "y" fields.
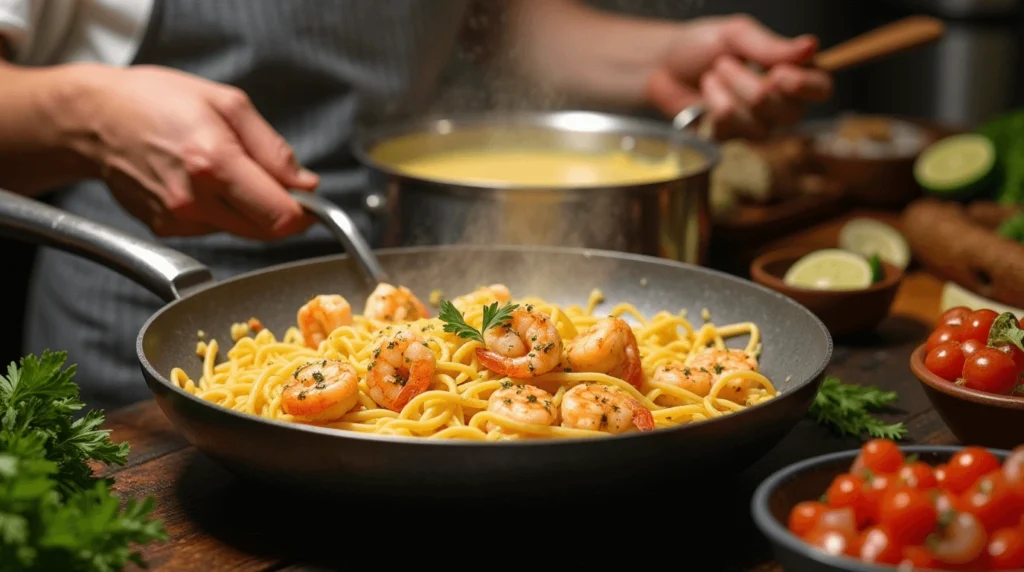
{"x": 891, "y": 38}
{"x": 897, "y": 36}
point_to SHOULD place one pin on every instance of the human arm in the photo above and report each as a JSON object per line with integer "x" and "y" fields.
{"x": 617, "y": 60}
{"x": 184, "y": 155}
{"x": 34, "y": 156}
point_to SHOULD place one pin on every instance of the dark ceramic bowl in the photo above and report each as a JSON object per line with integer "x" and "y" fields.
{"x": 974, "y": 417}
{"x": 844, "y": 312}
{"x": 884, "y": 181}
{"x": 807, "y": 480}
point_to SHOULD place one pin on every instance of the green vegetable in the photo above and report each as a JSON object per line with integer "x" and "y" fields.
{"x": 958, "y": 167}
{"x": 1013, "y": 228}
{"x": 54, "y": 514}
{"x": 455, "y": 323}
{"x": 877, "y": 272}
{"x": 846, "y": 408}
{"x": 1006, "y": 330}
{"x": 1007, "y": 134}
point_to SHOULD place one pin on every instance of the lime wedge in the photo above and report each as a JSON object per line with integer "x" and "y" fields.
{"x": 868, "y": 237}
{"x": 830, "y": 269}
{"x": 957, "y": 166}
{"x": 954, "y": 295}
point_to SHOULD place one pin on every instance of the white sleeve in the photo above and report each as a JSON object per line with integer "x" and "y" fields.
{"x": 18, "y": 22}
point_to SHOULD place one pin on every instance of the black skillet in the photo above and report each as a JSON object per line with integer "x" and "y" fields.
{"x": 797, "y": 347}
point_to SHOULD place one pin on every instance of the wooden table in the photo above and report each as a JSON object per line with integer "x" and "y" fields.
{"x": 218, "y": 522}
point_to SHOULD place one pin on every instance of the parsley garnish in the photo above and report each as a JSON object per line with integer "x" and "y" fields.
{"x": 54, "y": 514}
{"x": 1006, "y": 331}
{"x": 847, "y": 409}
{"x": 455, "y": 323}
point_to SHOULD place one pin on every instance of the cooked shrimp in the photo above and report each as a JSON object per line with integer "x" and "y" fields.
{"x": 523, "y": 403}
{"x": 401, "y": 368}
{"x": 703, "y": 370}
{"x": 390, "y": 304}
{"x": 526, "y": 346}
{"x": 607, "y": 347}
{"x": 601, "y": 408}
{"x": 321, "y": 316}
{"x": 321, "y": 390}
{"x": 495, "y": 292}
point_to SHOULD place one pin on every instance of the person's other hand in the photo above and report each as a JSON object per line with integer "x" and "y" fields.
{"x": 188, "y": 156}
{"x": 708, "y": 62}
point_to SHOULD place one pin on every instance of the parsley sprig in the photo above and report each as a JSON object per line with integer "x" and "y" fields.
{"x": 54, "y": 514}
{"x": 455, "y": 322}
{"x": 846, "y": 408}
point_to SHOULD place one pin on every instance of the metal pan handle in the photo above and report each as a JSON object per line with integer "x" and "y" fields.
{"x": 163, "y": 271}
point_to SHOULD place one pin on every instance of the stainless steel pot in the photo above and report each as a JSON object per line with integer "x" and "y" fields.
{"x": 669, "y": 219}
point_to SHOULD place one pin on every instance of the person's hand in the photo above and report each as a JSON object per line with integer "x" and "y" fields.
{"x": 188, "y": 156}
{"x": 708, "y": 62}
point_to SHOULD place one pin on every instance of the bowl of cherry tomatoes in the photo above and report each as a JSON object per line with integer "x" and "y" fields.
{"x": 883, "y": 508}
{"x": 971, "y": 368}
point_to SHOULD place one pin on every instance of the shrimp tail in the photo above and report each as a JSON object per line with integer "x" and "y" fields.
{"x": 495, "y": 362}
{"x": 642, "y": 417}
{"x": 419, "y": 381}
{"x": 633, "y": 373}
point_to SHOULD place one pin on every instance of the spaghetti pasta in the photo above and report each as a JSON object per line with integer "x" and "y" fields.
{"x": 462, "y": 399}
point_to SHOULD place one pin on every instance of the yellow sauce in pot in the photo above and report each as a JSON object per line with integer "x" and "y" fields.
{"x": 540, "y": 167}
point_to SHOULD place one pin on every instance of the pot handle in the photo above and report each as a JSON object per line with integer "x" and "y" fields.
{"x": 163, "y": 271}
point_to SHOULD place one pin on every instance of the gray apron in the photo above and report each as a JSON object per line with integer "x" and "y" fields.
{"x": 313, "y": 68}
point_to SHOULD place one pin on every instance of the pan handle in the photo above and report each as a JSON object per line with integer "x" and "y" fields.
{"x": 344, "y": 229}
{"x": 163, "y": 271}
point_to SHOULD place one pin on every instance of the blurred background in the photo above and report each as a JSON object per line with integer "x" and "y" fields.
{"x": 970, "y": 75}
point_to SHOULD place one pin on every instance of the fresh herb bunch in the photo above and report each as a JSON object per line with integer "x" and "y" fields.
{"x": 54, "y": 514}
{"x": 847, "y": 408}
{"x": 455, "y": 323}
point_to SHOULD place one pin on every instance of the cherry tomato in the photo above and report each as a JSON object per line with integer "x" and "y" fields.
{"x": 977, "y": 325}
{"x": 967, "y": 466}
{"x": 962, "y": 541}
{"x": 917, "y": 475}
{"x": 990, "y": 370}
{"x": 971, "y": 346}
{"x": 841, "y": 519}
{"x": 805, "y": 516}
{"x": 834, "y": 542}
{"x": 917, "y": 558}
{"x": 946, "y": 360}
{"x": 943, "y": 334}
{"x": 1015, "y": 354}
{"x": 1006, "y": 549}
{"x": 878, "y": 545}
{"x": 881, "y": 456}
{"x": 909, "y": 514}
{"x": 875, "y": 489}
{"x": 954, "y": 316}
{"x": 848, "y": 491}
{"x": 940, "y": 476}
{"x": 991, "y": 501}
{"x": 1013, "y": 473}
{"x": 944, "y": 501}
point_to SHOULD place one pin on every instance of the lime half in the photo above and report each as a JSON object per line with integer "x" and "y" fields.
{"x": 830, "y": 269}
{"x": 957, "y": 166}
{"x": 868, "y": 237}
{"x": 954, "y": 295}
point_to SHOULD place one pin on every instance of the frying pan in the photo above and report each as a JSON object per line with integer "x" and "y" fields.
{"x": 796, "y": 349}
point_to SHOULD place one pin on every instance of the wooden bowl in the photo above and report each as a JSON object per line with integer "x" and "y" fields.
{"x": 884, "y": 181}
{"x": 974, "y": 417}
{"x": 844, "y": 312}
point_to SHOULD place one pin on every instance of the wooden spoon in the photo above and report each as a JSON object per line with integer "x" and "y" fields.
{"x": 891, "y": 38}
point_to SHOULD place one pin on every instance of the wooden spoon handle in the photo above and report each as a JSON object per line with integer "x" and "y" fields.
{"x": 888, "y": 39}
